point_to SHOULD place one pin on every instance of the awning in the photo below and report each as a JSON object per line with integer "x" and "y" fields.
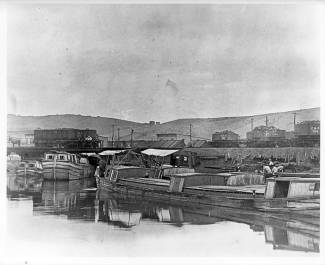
{"x": 111, "y": 152}
{"x": 158, "y": 152}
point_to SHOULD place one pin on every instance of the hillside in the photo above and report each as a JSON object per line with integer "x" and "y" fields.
{"x": 101, "y": 124}
{"x": 201, "y": 128}
{"x": 204, "y": 128}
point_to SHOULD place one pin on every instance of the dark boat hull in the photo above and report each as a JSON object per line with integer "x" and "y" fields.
{"x": 232, "y": 199}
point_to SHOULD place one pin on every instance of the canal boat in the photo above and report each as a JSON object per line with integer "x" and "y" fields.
{"x": 13, "y": 161}
{"x": 31, "y": 167}
{"x": 279, "y": 194}
{"x": 59, "y": 165}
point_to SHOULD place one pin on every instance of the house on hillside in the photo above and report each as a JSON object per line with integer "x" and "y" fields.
{"x": 307, "y": 133}
{"x": 225, "y": 136}
{"x": 266, "y": 133}
{"x": 307, "y": 128}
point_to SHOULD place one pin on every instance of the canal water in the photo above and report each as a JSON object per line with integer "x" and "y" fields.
{"x": 72, "y": 218}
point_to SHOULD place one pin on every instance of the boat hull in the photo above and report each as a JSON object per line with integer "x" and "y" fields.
{"x": 65, "y": 170}
{"x": 225, "y": 198}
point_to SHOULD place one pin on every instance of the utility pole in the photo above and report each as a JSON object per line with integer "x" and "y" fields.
{"x": 132, "y": 137}
{"x": 190, "y": 133}
{"x": 113, "y": 135}
{"x": 118, "y": 137}
{"x": 252, "y": 124}
{"x": 266, "y": 121}
{"x": 294, "y": 120}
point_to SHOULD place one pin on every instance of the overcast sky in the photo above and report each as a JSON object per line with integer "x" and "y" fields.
{"x": 115, "y": 60}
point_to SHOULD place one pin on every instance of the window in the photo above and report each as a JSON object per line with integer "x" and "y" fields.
{"x": 49, "y": 157}
{"x": 62, "y": 157}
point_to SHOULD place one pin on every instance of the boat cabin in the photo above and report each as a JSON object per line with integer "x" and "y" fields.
{"x": 290, "y": 187}
{"x": 30, "y": 164}
{"x": 61, "y": 156}
{"x": 180, "y": 181}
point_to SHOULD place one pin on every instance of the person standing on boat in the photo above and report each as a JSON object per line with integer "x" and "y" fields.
{"x": 267, "y": 170}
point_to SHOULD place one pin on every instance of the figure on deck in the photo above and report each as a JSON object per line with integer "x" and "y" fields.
{"x": 272, "y": 169}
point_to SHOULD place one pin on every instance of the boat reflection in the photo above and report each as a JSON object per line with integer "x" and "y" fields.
{"x": 70, "y": 198}
{"x": 80, "y": 201}
{"x": 23, "y": 185}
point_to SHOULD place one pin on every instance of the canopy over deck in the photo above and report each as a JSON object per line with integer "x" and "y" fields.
{"x": 158, "y": 152}
{"x": 111, "y": 152}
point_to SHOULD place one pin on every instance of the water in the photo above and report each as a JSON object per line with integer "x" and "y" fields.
{"x": 46, "y": 218}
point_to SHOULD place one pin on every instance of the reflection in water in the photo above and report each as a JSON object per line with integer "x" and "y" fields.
{"x": 76, "y": 200}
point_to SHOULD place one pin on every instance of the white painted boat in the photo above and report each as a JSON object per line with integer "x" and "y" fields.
{"x": 59, "y": 165}
{"x": 13, "y": 161}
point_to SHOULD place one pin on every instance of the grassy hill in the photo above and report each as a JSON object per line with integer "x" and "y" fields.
{"x": 201, "y": 128}
{"x": 101, "y": 124}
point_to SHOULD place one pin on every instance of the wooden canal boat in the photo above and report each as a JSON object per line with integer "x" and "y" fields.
{"x": 29, "y": 168}
{"x": 65, "y": 166}
{"x": 279, "y": 194}
{"x": 13, "y": 161}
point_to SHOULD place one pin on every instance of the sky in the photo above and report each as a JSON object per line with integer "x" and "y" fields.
{"x": 162, "y": 62}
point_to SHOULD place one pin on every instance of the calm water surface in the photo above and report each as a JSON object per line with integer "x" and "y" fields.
{"x": 71, "y": 218}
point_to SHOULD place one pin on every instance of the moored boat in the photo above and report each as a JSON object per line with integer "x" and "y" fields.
{"x": 296, "y": 195}
{"x": 32, "y": 167}
{"x": 13, "y": 161}
{"x": 58, "y": 165}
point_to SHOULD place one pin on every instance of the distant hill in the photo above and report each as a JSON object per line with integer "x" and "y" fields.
{"x": 101, "y": 124}
{"x": 202, "y": 128}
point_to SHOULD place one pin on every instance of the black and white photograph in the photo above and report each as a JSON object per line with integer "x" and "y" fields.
{"x": 178, "y": 130}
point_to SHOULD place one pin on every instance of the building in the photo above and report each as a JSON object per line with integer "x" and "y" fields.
{"x": 266, "y": 133}
{"x": 152, "y": 123}
{"x": 267, "y": 136}
{"x": 103, "y": 141}
{"x": 29, "y": 138}
{"x": 66, "y": 138}
{"x": 307, "y": 128}
{"x": 167, "y": 136}
{"x": 225, "y": 136}
{"x": 307, "y": 133}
